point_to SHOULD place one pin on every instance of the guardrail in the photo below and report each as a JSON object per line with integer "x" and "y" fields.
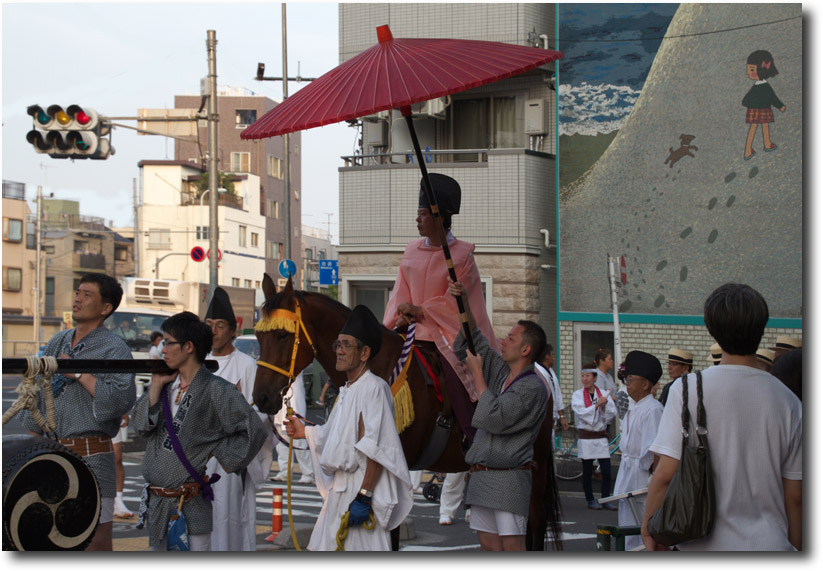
{"x": 371, "y": 159}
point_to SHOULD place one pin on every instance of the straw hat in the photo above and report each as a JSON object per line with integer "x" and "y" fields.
{"x": 681, "y": 356}
{"x": 716, "y": 353}
{"x": 765, "y": 356}
{"x": 787, "y": 343}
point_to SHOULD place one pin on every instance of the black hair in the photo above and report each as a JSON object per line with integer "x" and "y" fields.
{"x": 764, "y": 62}
{"x": 601, "y": 355}
{"x": 110, "y": 290}
{"x": 534, "y": 337}
{"x": 736, "y": 316}
{"x": 185, "y": 327}
{"x": 154, "y": 335}
{"x": 788, "y": 367}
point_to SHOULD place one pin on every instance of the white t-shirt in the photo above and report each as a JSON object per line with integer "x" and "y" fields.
{"x": 155, "y": 352}
{"x": 755, "y": 434}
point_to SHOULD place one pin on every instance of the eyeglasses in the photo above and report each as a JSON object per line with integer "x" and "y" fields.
{"x": 345, "y": 345}
{"x": 165, "y": 343}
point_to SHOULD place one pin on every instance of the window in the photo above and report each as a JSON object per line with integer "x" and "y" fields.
{"x": 271, "y": 250}
{"x": 12, "y": 279}
{"x": 159, "y": 239}
{"x": 121, "y": 254}
{"x": 247, "y": 283}
{"x": 203, "y": 233}
{"x": 280, "y": 251}
{"x": 257, "y": 284}
{"x": 241, "y": 238}
{"x": 272, "y": 209}
{"x": 275, "y": 167}
{"x": 12, "y": 230}
{"x": 49, "y": 248}
{"x": 309, "y": 255}
{"x": 321, "y": 254}
{"x": 244, "y": 117}
{"x": 31, "y": 236}
{"x": 255, "y": 239}
{"x": 486, "y": 122}
{"x": 240, "y": 162}
{"x": 81, "y": 246}
{"x": 235, "y": 282}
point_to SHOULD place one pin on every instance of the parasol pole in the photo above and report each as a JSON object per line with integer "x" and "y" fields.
{"x": 464, "y": 321}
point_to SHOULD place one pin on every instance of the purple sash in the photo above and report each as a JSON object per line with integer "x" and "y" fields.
{"x": 205, "y": 487}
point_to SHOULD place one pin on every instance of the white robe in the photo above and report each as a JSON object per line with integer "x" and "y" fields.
{"x": 297, "y": 399}
{"x": 340, "y": 464}
{"x": 639, "y": 431}
{"x": 593, "y": 419}
{"x": 234, "y": 510}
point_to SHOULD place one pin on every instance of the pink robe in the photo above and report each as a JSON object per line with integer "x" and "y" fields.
{"x": 423, "y": 280}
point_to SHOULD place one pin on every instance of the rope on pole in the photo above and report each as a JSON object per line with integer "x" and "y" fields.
{"x": 43, "y": 367}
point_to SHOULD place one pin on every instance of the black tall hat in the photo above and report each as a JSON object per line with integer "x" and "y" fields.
{"x": 446, "y": 193}
{"x": 643, "y": 365}
{"x": 220, "y": 307}
{"x": 364, "y": 326}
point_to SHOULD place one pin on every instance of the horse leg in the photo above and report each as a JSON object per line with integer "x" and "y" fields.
{"x": 395, "y": 539}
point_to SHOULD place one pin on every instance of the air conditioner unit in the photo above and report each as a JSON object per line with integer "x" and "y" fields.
{"x": 374, "y": 133}
{"x": 435, "y": 108}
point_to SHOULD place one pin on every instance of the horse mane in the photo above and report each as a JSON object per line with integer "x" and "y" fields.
{"x": 271, "y": 304}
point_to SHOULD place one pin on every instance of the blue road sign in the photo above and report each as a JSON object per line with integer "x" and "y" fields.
{"x": 328, "y": 272}
{"x": 287, "y": 268}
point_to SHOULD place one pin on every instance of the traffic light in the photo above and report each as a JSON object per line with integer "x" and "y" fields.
{"x": 71, "y": 133}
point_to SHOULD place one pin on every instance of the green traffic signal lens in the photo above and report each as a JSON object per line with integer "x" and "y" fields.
{"x": 43, "y": 117}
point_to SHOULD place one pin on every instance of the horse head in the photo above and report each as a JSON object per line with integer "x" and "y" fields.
{"x": 285, "y": 348}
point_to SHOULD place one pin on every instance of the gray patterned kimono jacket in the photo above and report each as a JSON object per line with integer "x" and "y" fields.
{"x": 508, "y": 424}
{"x": 80, "y": 414}
{"x": 214, "y": 419}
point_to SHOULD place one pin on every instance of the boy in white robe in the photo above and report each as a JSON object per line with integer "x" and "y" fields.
{"x": 639, "y": 431}
{"x": 234, "y": 510}
{"x": 361, "y": 470}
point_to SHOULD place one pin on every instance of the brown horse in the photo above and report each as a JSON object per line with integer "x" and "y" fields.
{"x": 322, "y": 319}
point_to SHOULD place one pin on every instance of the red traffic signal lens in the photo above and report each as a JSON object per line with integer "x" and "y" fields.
{"x": 82, "y": 118}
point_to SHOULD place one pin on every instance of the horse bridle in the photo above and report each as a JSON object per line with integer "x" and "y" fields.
{"x": 291, "y": 321}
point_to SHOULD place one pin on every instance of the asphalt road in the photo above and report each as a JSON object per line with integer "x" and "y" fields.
{"x": 579, "y": 523}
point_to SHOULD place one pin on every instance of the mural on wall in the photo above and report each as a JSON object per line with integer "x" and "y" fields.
{"x": 671, "y": 190}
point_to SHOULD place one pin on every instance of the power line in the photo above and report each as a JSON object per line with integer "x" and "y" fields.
{"x": 561, "y": 39}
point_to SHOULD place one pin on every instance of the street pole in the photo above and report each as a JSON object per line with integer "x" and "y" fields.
{"x": 38, "y": 276}
{"x": 136, "y": 250}
{"x": 211, "y": 44}
{"x": 286, "y": 181}
{"x": 618, "y": 352}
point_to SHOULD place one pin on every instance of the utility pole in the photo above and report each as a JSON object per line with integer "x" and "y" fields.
{"x": 136, "y": 233}
{"x": 38, "y": 276}
{"x": 286, "y": 181}
{"x": 211, "y": 44}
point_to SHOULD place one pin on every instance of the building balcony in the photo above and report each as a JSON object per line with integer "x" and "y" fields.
{"x": 431, "y": 156}
{"x": 192, "y": 198}
{"x": 88, "y": 262}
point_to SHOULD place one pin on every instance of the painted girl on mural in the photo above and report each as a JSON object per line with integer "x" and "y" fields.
{"x": 760, "y": 99}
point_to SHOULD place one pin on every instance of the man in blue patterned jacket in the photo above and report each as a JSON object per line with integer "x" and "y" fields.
{"x": 89, "y": 407}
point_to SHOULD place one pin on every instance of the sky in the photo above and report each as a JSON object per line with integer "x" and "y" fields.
{"x": 118, "y": 57}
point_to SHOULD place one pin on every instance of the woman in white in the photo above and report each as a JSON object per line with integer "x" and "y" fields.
{"x": 594, "y": 410}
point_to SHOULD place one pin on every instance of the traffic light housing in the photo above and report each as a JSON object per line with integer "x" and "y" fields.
{"x": 72, "y": 133}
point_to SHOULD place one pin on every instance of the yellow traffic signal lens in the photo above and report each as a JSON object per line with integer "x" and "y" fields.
{"x": 62, "y": 118}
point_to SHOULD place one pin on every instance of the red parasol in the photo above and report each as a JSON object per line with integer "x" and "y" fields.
{"x": 395, "y": 74}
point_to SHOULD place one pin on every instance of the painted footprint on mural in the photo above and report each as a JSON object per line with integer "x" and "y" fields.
{"x": 759, "y": 101}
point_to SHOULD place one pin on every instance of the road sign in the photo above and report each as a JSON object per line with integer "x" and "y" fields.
{"x": 219, "y": 255}
{"x": 67, "y": 319}
{"x": 287, "y": 268}
{"x": 328, "y": 272}
{"x": 198, "y": 254}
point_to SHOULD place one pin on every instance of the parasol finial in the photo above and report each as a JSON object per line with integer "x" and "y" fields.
{"x": 384, "y": 34}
